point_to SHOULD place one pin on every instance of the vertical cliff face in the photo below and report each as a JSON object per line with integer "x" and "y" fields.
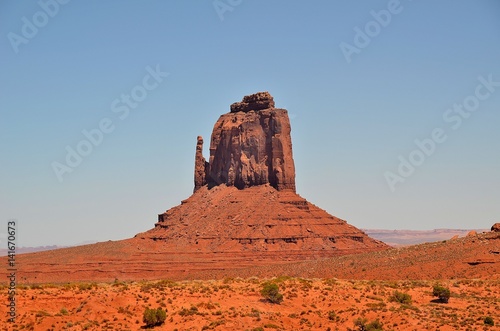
{"x": 251, "y": 145}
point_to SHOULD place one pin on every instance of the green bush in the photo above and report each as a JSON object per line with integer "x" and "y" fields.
{"x": 443, "y": 293}
{"x": 401, "y": 297}
{"x": 188, "y": 312}
{"x": 375, "y": 326}
{"x": 270, "y": 291}
{"x": 154, "y": 317}
{"x": 361, "y": 324}
{"x": 489, "y": 321}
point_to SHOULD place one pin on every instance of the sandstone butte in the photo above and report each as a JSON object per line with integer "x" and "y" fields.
{"x": 244, "y": 212}
{"x": 244, "y": 197}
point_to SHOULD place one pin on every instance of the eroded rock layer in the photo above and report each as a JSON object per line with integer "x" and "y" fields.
{"x": 257, "y": 219}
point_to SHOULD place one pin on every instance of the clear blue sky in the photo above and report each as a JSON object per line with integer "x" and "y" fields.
{"x": 351, "y": 120}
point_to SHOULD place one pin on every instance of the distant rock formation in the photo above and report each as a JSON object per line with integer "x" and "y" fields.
{"x": 251, "y": 145}
{"x": 495, "y": 227}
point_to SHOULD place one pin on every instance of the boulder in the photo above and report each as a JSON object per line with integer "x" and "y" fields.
{"x": 257, "y": 101}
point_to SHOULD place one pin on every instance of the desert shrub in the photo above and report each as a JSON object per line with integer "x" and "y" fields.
{"x": 488, "y": 320}
{"x": 270, "y": 291}
{"x": 64, "y": 311}
{"x": 154, "y": 317}
{"x": 375, "y": 326}
{"x": 86, "y": 286}
{"x": 281, "y": 279}
{"x": 188, "y": 312}
{"x": 401, "y": 297}
{"x": 443, "y": 293}
{"x": 42, "y": 313}
{"x": 362, "y": 325}
{"x": 207, "y": 305}
{"x": 213, "y": 325}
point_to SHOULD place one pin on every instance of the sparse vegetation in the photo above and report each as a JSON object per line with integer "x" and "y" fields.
{"x": 154, "y": 317}
{"x": 42, "y": 313}
{"x": 313, "y": 308}
{"x": 213, "y": 325}
{"x": 86, "y": 286}
{"x": 188, "y": 312}
{"x": 443, "y": 293}
{"x": 488, "y": 320}
{"x": 270, "y": 291}
{"x": 361, "y": 324}
{"x": 403, "y": 298}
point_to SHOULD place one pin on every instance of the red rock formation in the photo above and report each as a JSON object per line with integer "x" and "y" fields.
{"x": 257, "y": 101}
{"x": 495, "y": 227}
{"x": 249, "y": 146}
{"x": 245, "y": 198}
{"x": 200, "y": 166}
{"x": 259, "y": 219}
